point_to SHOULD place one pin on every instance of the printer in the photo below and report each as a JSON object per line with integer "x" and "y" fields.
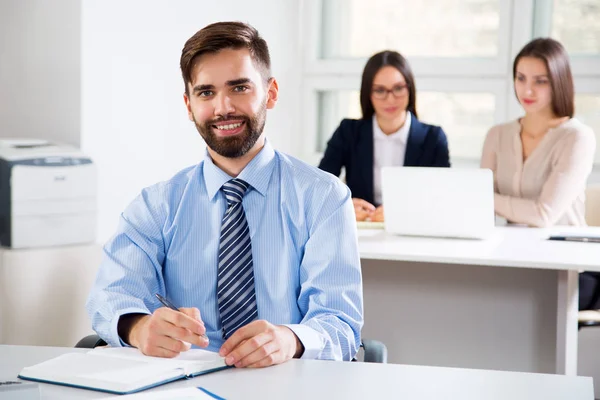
{"x": 47, "y": 194}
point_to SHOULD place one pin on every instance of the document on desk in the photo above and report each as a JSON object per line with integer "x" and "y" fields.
{"x": 172, "y": 394}
{"x": 121, "y": 370}
{"x": 370, "y": 225}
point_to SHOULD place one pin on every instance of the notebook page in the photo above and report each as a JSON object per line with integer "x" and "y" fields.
{"x": 81, "y": 363}
{"x": 107, "y": 373}
{"x": 187, "y": 358}
{"x": 130, "y": 374}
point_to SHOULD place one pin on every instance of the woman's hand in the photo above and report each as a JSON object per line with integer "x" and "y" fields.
{"x": 377, "y": 215}
{"x": 363, "y": 209}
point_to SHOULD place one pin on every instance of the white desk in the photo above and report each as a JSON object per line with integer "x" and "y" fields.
{"x": 298, "y": 379}
{"x": 548, "y": 270}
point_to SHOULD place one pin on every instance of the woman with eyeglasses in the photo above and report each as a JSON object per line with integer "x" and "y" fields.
{"x": 389, "y": 134}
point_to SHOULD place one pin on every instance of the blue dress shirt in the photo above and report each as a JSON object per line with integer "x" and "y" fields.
{"x": 304, "y": 247}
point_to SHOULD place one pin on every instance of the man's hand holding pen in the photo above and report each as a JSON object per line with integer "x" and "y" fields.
{"x": 166, "y": 332}
{"x": 170, "y": 331}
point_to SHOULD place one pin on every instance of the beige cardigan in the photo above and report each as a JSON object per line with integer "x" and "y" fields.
{"x": 549, "y": 187}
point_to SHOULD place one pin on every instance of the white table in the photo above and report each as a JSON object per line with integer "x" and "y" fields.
{"x": 512, "y": 247}
{"x": 299, "y": 379}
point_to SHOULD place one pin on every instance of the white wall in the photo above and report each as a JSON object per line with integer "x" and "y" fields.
{"x": 43, "y": 292}
{"x": 134, "y": 123}
{"x": 40, "y": 69}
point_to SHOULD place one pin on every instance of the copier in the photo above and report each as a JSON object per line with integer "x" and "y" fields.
{"x": 47, "y": 194}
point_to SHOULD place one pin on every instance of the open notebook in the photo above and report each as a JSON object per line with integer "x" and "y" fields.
{"x": 121, "y": 370}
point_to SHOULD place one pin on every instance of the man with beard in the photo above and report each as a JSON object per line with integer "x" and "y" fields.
{"x": 257, "y": 248}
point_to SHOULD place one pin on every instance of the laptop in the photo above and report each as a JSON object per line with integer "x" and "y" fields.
{"x": 438, "y": 202}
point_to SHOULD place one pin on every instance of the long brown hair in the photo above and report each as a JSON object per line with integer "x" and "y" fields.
{"x": 374, "y": 64}
{"x": 554, "y": 55}
{"x": 225, "y": 35}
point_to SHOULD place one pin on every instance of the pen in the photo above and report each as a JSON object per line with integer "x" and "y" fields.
{"x": 582, "y": 239}
{"x": 167, "y": 303}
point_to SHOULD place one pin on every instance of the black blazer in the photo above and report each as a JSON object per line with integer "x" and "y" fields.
{"x": 351, "y": 146}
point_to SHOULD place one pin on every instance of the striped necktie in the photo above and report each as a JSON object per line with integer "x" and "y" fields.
{"x": 235, "y": 279}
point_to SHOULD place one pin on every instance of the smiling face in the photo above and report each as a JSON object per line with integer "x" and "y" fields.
{"x": 389, "y": 93}
{"x": 228, "y": 101}
{"x": 532, "y": 85}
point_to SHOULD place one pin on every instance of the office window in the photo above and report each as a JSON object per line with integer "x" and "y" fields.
{"x": 434, "y": 28}
{"x": 576, "y": 24}
{"x": 461, "y": 53}
{"x": 587, "y": 109}
{"x": 465, "y": 117}
{"x": 333, "y": 106}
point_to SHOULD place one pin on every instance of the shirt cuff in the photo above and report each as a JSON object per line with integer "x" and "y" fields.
{"x": 115, "y": 322}
{"x": 311, "y": 340}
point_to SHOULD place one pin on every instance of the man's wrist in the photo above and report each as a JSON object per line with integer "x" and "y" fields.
{"x": 127, "y": 327}
{"x": 299, "y": 348}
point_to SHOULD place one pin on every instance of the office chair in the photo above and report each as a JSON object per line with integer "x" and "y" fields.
{"x": 592, "y": 205}
{"x": 589, "y": 318}
{"x": 90, "y": 341}
{"x": 374, "y": 350}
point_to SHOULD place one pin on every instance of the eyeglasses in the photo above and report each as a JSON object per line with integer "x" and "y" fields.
{"x": 397, "y": 91}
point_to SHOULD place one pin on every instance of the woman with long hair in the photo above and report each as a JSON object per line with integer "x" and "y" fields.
{"x": 388, "y": 134}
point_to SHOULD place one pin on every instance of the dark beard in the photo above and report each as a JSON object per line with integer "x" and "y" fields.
{"x": 240, "y": 144}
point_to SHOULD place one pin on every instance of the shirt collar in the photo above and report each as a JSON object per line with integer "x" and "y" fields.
{"x": 257, "y": 173}
{"x": 400, "y": 135}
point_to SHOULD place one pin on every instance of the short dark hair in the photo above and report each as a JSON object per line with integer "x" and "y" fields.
{"x": 374, "y": 64}
{"x": 225, "y": 35}
{"x": 554, "y": 55}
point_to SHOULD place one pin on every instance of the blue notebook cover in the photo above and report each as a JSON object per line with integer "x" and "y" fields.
{"x": 106, "y": 371}
{"x": 140, "y": 389}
